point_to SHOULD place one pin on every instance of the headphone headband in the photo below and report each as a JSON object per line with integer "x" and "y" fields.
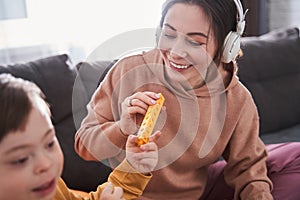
{"x": 232, "y": 40}
{"x": 240, "y": 17}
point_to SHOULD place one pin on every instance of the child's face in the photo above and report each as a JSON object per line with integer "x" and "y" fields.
{"x": 31, "y": 160}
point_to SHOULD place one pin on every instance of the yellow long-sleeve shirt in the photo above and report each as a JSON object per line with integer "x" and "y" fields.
{"x": 123, "y": 176}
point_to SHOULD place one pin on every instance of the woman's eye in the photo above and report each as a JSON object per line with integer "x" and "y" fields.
{"x": 20, "y": 161}
{"x": 194, "y": 43}
{"x": 169, "y": 36}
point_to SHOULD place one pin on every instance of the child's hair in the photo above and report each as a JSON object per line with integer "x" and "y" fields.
{"x": 17, "y": 97}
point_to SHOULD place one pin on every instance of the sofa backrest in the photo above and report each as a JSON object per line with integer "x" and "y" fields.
{"x": 89, "y": 76}
{"x": 270, "y": 69}
{"x": 46, "y": 73}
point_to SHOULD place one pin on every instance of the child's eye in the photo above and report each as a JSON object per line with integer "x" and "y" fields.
{"x": 20, "y": 161}
{"x": 51, "y": 144}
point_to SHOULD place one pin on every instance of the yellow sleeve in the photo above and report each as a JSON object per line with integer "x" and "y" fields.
{"x": 132, "y": 182}
{"x": 124, "y": 176}
{"x": 64, "y": 193}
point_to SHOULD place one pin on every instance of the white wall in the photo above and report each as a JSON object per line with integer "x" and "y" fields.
{"x": 284, "y": 13}
{"x": 81, "y": 25}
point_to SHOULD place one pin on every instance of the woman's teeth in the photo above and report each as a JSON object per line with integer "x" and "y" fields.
{"x": 179, "y": 66}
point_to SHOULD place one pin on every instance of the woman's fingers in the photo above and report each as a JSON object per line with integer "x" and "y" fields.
{"x": 141, "y": 98}
{"x": 140, "y": 101}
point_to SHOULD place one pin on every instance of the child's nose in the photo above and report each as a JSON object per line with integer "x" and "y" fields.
{"x": 43, "y": 163}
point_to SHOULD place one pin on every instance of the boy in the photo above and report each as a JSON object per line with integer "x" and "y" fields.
{"x": 31, "y": 160}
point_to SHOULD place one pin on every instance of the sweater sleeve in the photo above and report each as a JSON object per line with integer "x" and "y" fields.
{"x": 124, "y": 176}
{"x": 246, "y": 156}
{"x": 99, "y": 136}
{"x": 131, "y": 181}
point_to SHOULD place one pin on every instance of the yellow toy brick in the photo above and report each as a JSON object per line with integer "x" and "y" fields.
{"x": 149, "y": 121}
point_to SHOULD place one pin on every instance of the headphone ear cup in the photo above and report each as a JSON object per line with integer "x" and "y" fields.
{"x": 231, "y": 47}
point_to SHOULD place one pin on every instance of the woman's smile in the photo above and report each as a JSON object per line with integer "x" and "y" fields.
{"x": 178, "y": 66}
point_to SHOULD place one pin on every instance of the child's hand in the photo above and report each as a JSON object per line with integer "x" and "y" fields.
{"x": 112, "y": 193}
{"x": 143, "y": 158}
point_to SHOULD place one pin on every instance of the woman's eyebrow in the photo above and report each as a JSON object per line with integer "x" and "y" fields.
{"x": 171, "y": 27}
{"x": 189, "y": 34}
{"x": 197, "y": 33}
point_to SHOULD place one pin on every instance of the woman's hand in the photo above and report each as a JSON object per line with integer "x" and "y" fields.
{"x": 137, "y": 103}
{"x": 144, "y": 158}
{"x": 112, "y": 193}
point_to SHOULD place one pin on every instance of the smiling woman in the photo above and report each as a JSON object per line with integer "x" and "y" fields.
{"x": 208, "y": 112}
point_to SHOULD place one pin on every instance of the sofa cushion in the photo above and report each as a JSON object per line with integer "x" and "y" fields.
{"x": 92, "y": 73}
{"x": 290, "y": 134}
{"x": 89, "y": 76}
{"x": 78, "y": 173}
{"x": 270, "y": 69}
{"x": 62, "y": 75}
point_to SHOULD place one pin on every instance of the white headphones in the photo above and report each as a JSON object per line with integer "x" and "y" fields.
{"x": 232, "y": 41}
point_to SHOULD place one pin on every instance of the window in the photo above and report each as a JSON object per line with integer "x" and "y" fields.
{"x": 78, "y": 26}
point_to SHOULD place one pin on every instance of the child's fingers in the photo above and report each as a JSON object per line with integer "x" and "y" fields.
{"x": 155, "y": 136}
{"x": 111, "y": 192}
{"x": 148, "y": 161}
{"x": 151, "y": 146}
{"x": 118, "y": 192}
{"x": 145, "y": 155}
{"x": 132, "y": 141}
{"x": 109, "y": 188}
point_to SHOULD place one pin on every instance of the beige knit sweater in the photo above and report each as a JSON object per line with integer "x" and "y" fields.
{"x": 199, "y": 125}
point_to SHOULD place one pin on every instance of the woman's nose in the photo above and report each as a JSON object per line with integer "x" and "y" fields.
{"x": 178, "y": 49}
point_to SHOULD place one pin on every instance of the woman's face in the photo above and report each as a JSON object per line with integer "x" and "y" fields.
{"x": 186, "y": 42}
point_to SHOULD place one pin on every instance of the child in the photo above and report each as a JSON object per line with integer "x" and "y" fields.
{"x": 31, "y": 160}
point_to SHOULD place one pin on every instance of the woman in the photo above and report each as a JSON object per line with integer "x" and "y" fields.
{"x": 208, "y": 113}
